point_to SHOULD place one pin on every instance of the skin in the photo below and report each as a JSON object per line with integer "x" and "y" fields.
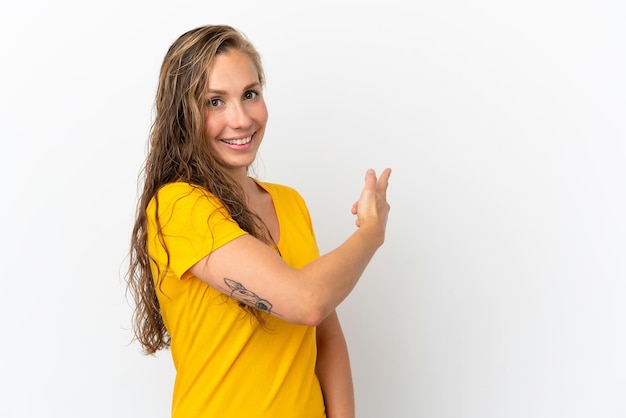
{"x": 304, "y": 296}
{"x": 307, "y": 296}
{"x": 333, "y": 369}
{"x": 236, "y": 112}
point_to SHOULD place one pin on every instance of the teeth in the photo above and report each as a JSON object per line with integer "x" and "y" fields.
{"x": 241, "y": 141}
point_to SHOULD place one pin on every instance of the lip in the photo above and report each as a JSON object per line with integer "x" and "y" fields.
{"x": 232, "y": 142}
{"x": 237, "y": 138}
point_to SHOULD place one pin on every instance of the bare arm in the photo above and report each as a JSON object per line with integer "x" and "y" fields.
{"x": 333, "y": 369}
{"x": 251, "y": 272}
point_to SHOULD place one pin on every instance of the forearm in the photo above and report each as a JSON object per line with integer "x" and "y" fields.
{"x": 333, "y": 370}
{"x": 332, "y": 277}
{"x": 336, "y": 273}
{"x": 309, "y": 294}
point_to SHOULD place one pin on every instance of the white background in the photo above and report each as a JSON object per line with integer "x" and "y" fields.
{"x": 501, "y": 289}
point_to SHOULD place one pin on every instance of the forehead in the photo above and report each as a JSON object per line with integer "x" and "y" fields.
{"x": 232, "y": 67}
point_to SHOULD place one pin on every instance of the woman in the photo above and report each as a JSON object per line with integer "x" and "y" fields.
{"x": 224, "y": 268}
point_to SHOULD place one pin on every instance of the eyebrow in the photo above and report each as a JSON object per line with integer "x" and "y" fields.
{"x": 248, "y": 87}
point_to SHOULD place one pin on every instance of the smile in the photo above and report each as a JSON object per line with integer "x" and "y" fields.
{"x": 240, "y": 141}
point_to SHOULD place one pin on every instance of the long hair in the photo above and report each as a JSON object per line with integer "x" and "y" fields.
{"x": 178, "y": 151}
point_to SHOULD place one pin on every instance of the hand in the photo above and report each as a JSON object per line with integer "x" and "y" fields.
{"x": 372, "y": 208}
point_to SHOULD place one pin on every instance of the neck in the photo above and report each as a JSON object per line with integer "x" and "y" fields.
{"x": 241, "y": 177}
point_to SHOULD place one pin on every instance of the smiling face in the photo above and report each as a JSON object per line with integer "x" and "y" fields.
{"x": 236, "y": 114}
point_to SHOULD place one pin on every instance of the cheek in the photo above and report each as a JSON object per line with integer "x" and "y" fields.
{"x": 262, "y": 113}
{"x": 211, "y": 127}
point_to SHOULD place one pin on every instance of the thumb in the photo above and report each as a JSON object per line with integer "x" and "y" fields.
{"x": 370, "y": 181}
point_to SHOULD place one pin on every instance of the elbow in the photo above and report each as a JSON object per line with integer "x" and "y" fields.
{"x": 314, "y": 318}
{"x": 313, "y": 311}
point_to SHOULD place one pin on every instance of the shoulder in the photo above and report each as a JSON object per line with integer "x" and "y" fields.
{"x": 286, "y": 198}
{"x": 182, "y": 194}
{"x": 278, "y": 188}
{"x": 178, "y": 189}
{"x": 281, "y": 192}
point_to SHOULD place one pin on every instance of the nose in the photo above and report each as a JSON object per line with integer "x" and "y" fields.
{"x": 239, "y": 117}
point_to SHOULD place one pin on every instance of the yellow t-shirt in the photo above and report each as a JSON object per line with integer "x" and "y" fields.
{"x": 227, "y": 365}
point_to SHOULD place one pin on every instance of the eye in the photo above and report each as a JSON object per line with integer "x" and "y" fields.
{"x": 250, "y": 94}
{"x": 214, "y": 102}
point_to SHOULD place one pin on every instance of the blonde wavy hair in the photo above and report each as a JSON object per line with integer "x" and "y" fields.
{"x": 179, "y": 151}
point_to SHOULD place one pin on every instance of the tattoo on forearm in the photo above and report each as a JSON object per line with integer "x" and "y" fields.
{"x": 243, "y": 295}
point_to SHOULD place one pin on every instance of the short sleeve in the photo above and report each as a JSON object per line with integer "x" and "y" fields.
{"x": 193, "y": 223}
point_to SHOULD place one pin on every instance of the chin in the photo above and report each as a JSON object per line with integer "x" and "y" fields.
{"x": 237, "y": 165}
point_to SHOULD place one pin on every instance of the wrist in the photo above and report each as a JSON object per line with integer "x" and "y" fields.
{"x": 373, "y": 234}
